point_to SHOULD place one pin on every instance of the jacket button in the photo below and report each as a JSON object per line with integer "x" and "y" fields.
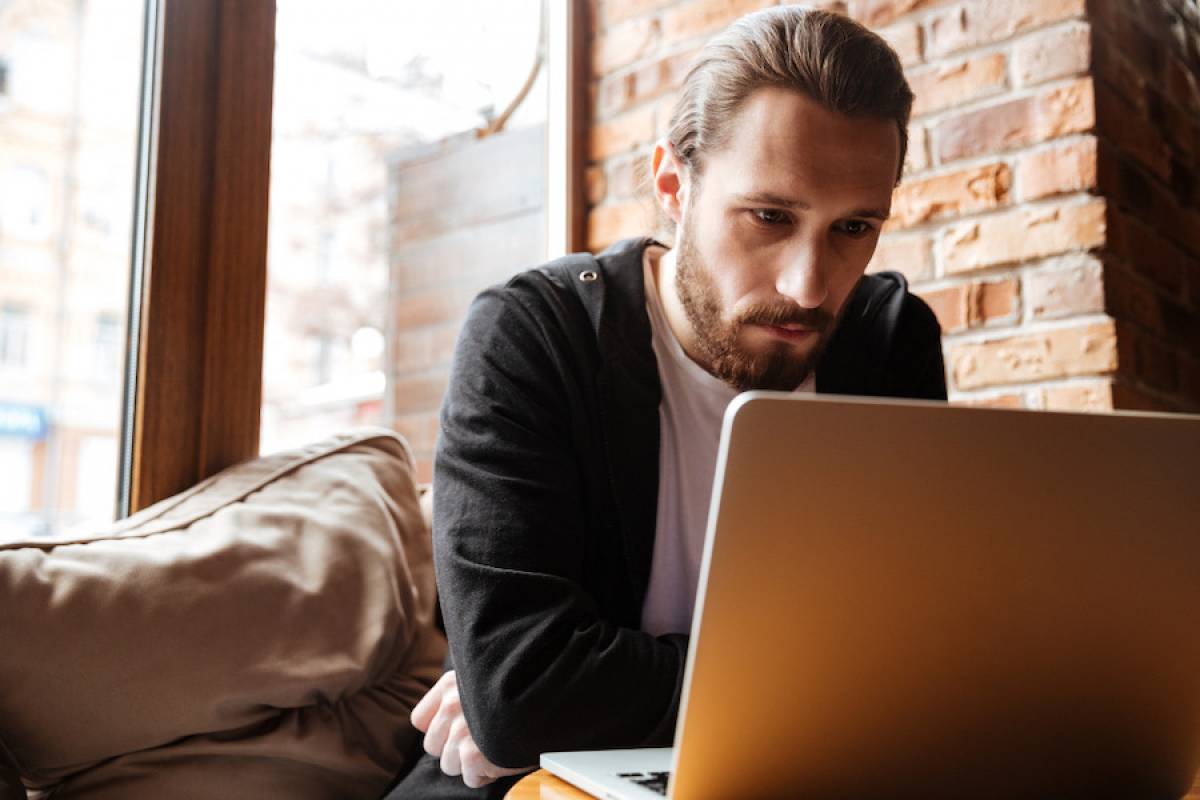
{"x": 587, "y": 276}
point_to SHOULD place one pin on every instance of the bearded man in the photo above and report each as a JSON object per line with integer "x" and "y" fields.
{"x": 579, "y": 432}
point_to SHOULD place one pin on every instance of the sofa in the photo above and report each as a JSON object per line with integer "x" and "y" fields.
{"x": 262, "y": 634}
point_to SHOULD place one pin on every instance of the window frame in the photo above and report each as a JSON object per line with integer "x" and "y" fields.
{"x": 194, "y": 377}
{"x": 198, "y": 293}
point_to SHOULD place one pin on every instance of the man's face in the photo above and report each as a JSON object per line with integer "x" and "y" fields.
{"x": 777, "y": 231}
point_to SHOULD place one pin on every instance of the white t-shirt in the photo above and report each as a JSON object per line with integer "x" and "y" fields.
{"x": 690, "y": 415}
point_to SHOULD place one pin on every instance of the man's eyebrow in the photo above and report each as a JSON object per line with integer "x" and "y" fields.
{"x": 769, "y": 199}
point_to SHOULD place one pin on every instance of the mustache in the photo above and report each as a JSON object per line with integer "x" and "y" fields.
{"x": 817, "y": 319}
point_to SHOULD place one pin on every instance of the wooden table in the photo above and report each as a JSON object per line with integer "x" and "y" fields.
{"x": 541, "y": 785}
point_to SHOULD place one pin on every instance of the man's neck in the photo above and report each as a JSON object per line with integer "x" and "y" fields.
{"x": 662, "y": 267}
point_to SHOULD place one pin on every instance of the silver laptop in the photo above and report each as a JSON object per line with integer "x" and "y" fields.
{"x": 905, "y": 599}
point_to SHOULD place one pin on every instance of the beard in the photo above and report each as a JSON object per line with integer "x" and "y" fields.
{"x": 780, "y": 366}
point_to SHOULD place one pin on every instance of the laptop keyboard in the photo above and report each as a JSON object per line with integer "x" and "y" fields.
{"x": 654, "y": 781}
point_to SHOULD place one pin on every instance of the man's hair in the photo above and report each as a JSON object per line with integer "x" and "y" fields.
{"x": 825, "y": 56}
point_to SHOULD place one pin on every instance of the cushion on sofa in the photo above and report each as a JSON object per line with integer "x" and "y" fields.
{"x": 263, "y": 634}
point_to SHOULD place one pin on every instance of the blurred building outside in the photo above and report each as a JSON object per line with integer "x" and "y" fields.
{"x": 358, "y": 84}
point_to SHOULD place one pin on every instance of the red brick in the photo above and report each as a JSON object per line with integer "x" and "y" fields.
{"x": 1134, "y": 398}
{"x": 1183, "y": 85}
{"x": 595, "y": 184}
{"x": 420, "y": 429}
{"x": 1129, "y": 298}
{"x": 445, "y": 337}
{"x": 629, "y": 178}
{"x": 949, "y": 195}
{"x": 906, "y": 39}
{"x": 908, "y": 254}
{"x": 1126, "y": 27}
{"x": 874, "y": 13}
{"x": 1069, "y": 167}
{"x": 1064, "y": 290}
{"x": 623, "y": 44}
{"x": 1156, "y": 364}
{"x": 432, "y": 306}
{"x": 424, "y": 466}
{"x": 917, "y": 158}
{"x": 1148, "y": 199}
{"x": 663, "y": 110}
{"x": 1093, "y": 396}
{"x": 1006, "y": 400}
{"x": 698, "y": 17}
{"x": 412, "y": 350}
{"x": 1132, "y": 133}
{"x": 1150, "y": 255}
{"x": 1115, "y": 72}
{"x": 621, "y": 134}
{"x": 645, "y": 82}
{"x": 1022, "y": 234}
{"x": 1061, "y": 353}
{"x": 972, "y": 305}
{"x": 616, "y": 11}
{"x": 952, "y": 83}
{"x": 607, "y": 224}
{"x": 949, "y": 305}
{"x": 414, "y": 395}
{"x": 1051, "y": 113}
{"x": 1058, "y": 53}
{"x": 974, "y": 23}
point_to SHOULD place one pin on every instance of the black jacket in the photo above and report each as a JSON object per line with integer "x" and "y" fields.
{"x": 546, "y": 481}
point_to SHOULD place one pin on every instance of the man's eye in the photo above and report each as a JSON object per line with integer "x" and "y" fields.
{"x": 770, "y": 216}
{"x": 855, "y": 228}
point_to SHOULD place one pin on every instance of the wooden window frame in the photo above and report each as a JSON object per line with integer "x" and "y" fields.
{"x": 201, "y": 287}
{"x": 568, "y": 65}
{"x": 198, "y": 298}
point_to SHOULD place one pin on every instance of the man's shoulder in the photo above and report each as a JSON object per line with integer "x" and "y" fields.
{"x": 888, "y": 342}
{"x": 577, "y": 286}
{"x": 882, "y": 306}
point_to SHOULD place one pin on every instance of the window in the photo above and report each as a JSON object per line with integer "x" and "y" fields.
{"x": 14, "y": 336}
{"x": 79, "y": 67}
{"x": 109, "y": 347}
{"x": 27, "y": 211}
{"x": 70, "y": 77}
{"x": 407, "y": 171}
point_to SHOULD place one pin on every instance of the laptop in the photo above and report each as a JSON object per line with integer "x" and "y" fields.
{"x": 909, "y": 599}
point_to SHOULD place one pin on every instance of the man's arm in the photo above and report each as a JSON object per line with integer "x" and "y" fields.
{"x": 539, "y": 667}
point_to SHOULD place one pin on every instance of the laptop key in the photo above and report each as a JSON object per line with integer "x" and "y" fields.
{"x": 654, "y": 781}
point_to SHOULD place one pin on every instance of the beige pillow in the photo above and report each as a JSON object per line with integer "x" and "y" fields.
{"x": 263, "y": 634}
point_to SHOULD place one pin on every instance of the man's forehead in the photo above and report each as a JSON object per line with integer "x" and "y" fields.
{"x": 783, "y": 142}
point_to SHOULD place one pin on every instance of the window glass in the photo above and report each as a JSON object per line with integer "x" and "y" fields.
{"x": 378, "y": 187}
{"x": 70, "y": 77}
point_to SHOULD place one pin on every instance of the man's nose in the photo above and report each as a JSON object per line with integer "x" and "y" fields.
{"x": 802, "y": 278}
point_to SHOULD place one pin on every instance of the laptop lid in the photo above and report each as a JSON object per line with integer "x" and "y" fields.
{"x": 909, "y": 599}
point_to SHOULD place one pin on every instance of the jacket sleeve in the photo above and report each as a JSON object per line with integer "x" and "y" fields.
{"x": 538, "y": 667}
{"x": 916, "y": 368}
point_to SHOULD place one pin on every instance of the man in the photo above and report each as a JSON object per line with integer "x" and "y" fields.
{"x": 580, "y": 427}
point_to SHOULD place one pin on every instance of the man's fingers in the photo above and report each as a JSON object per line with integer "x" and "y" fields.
{"x": 435, "y": 738}
{"x": 476, "y": 769}
{"x": 451, "y": 757}
{"x": 423, "y": 713}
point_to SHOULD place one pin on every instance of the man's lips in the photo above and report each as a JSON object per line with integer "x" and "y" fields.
{"x": 789, "y": 331}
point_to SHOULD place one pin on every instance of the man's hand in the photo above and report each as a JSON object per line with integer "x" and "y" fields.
{"x": 439, "y": 716}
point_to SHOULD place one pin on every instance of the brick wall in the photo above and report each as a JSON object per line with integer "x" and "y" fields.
{"x": 1048, "y": 211}
{"x": 451, "y": 236}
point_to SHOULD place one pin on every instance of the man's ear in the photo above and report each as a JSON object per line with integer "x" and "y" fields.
{"x": 670, "y": 180}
